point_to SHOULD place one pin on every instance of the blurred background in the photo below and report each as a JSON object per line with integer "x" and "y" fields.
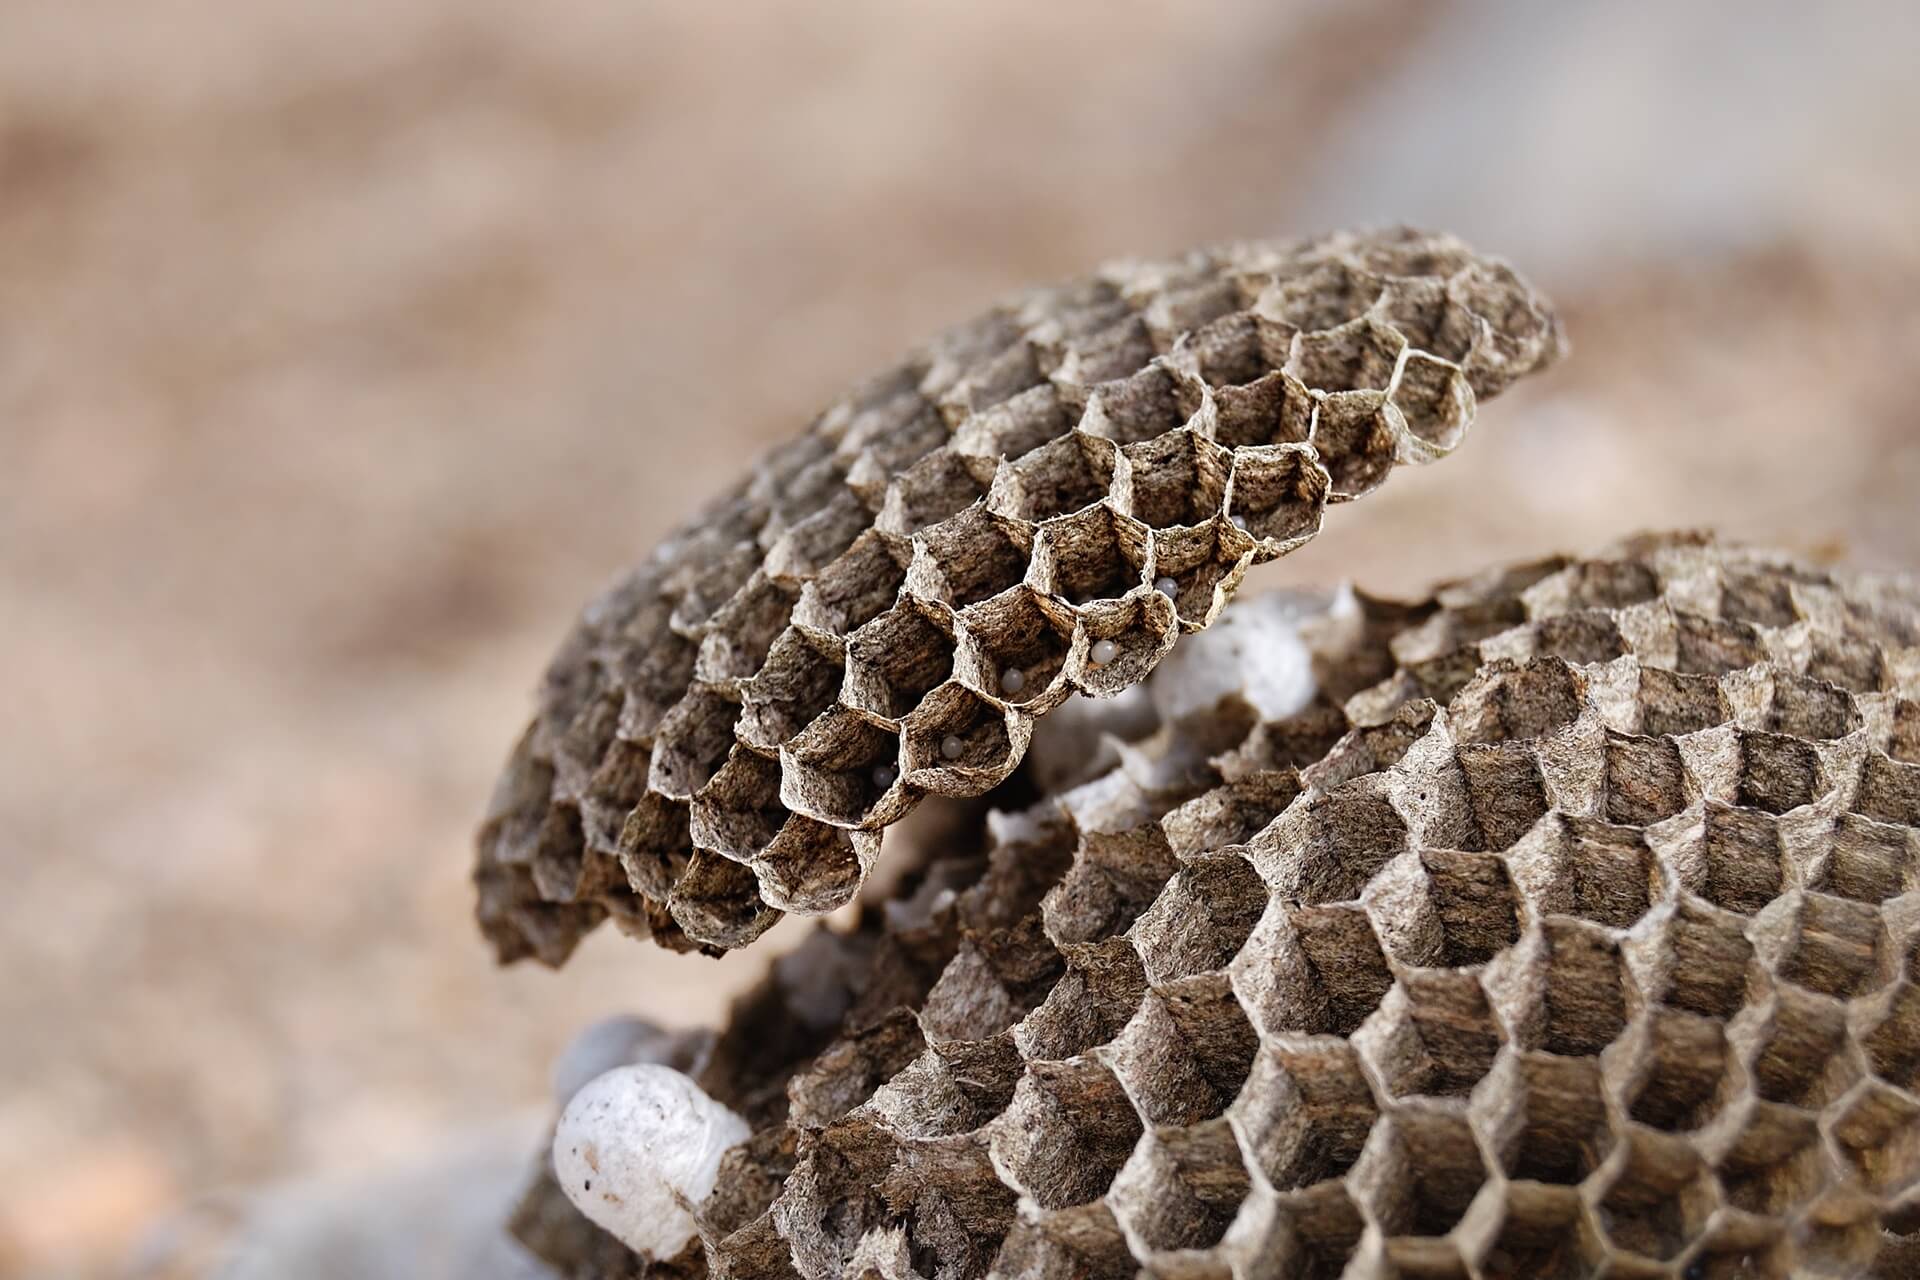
{"x": 345, "y": 348}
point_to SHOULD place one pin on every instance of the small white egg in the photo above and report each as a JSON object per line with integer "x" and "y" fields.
{"x": 884, "y": 775}
{"x": 1012, "y": 680}
{"x": 1103, "y": 652}
{"x": 1166, "y": 587}
{"x": 952, "y": 747}
{"x": 1240, "y": 523}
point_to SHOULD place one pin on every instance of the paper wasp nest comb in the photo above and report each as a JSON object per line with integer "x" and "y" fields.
{"x": 1035, "y": 504}
{"x": 1573, "y": 930}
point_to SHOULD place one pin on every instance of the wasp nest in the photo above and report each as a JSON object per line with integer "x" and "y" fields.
{"x": 1035, "y": 504}
{"x": 1573, "y": 928}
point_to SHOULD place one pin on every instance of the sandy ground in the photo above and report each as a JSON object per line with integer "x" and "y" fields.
{"x": 345, "y": 348}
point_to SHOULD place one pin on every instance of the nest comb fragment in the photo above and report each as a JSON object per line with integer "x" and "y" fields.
{"x": 1590, "y": 946}
{"x": 1033, "y": 505}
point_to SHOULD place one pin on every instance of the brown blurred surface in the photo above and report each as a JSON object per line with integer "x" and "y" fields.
{"x": 345, "y": 349}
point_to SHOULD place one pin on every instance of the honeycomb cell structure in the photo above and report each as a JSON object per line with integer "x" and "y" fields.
{"x": 1034, "y": 505}
{"x": 1572, "y": 929}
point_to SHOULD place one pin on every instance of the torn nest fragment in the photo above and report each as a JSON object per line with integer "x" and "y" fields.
{"x": 1033, "y": 505}
{"x": 1572, "y": 928}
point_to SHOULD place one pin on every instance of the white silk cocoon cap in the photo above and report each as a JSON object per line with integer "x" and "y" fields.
{"x": 637, "y": 1144}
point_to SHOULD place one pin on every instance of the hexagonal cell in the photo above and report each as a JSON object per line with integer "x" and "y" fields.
{"x": 1646, "y": 779}
{"x": 1505, "y": 791}
{"x": 1701, "y": 961}
{"x": 817, "y": 541}
{"x": 1658, "y": 1200}
{"x": 810, "y": 868}
{"x": 885, "y": 439}
{"x": 953, "y": 1088}
{"x": 1713, "y": 646}
{"x": 1106, "y": 354}
{"x": 1079, "y": 1243}
{"x": 1673, "y": 702}
{"x": 717, "y": 902}
{"x": 1777, "y": 772}
{"x": 1764, "y": 598}
{"x": 655, "y": 843}
{"x": 800, "y": 487}
{"x": 969, "y": 557}
{"x": 1353, "y": 432}
{"x": 1563, "y": 989}
{"x": 1097, "y": 996}
{"x": 692, "y": 743}
{"x": 744, "y": 629}
{"x": 898, "y": 658}
{"x": 1798, "y": 1042}
{"x": 990, "y": 983}
{"x": 1776, "y": 1164}
{"x": 1057, "y": 479}
{"x": 1326, "y": 973}
{"x": 1066, "y": 1134}
{"x": 1833, "y": 946}
{"x": 1475, "y": 904}
{"x": 1542, "y": 1236}
{"x": 1115, "y": 878}
{"x": 1186, "y": 1054}
{"x": 1892, "y": 1042}
{"x": 1202, "y": 566}
{"x": 1855, "y": 664}
{"x": 1182, "y": 1187}
{"x": 1581, "y": 867}
{"x": 738, "y": 812}
{"x": 1202, "y": 918}
{"x": 1013, "y": 373}
{"x": 1678, "y": 1078}
{"x": 1097, "y": 554}
{"x": 844, "y": 771}
{"x": 1492, "y": 290}
{"x": 711, "y": 586}
{"x": 1865, "y": 860}
{"x": 1238, "y": 349}
{"x": 1511, "y": 702}
{"x": 958, "y": 743}
{"x": 1420, "y": 309}
{"x": 857, "y": 587}
{"x": 937, "y": 487}
{"x": 1434, "y": 1035}
{"x": 1328, "y": 1228}
{"x": 1593, "y": 584}
{"x": 1327, "y": 848}
{"x": 848, "y": 1070}
{"x": 1178, "y": 311}
{"x": 800, "y": 680}
{"x": 1547, "y": 1118}
{"x": 1277, "y": 493}
{"x": 1018, "y": 425}
{"x": 1231, "y": 813}
{"x": 1804, "y": 707}
{"x": 1144, "y": 406}
{"x": 1307, "y": 1110}
{"x": 1014, "y": 648}
{"x": 1733, "y": 859}
{"x": 1276, "y": 408}
{"x": 1435, "y": 399}
{"x": 1119, "y": 642}
{"x": 1179, "y": 479}
{"x": 653, "y": 677}
{"x": 1889, "y": 791}
{"x": 1589, "y": 636}
{"x": 615, "y": 787}
{"x": 1421, "y": 1170}
{"x": 1329, "y": 295}
{"x": 1360, "y": 355}
{"x": 1879, "y": 1134}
